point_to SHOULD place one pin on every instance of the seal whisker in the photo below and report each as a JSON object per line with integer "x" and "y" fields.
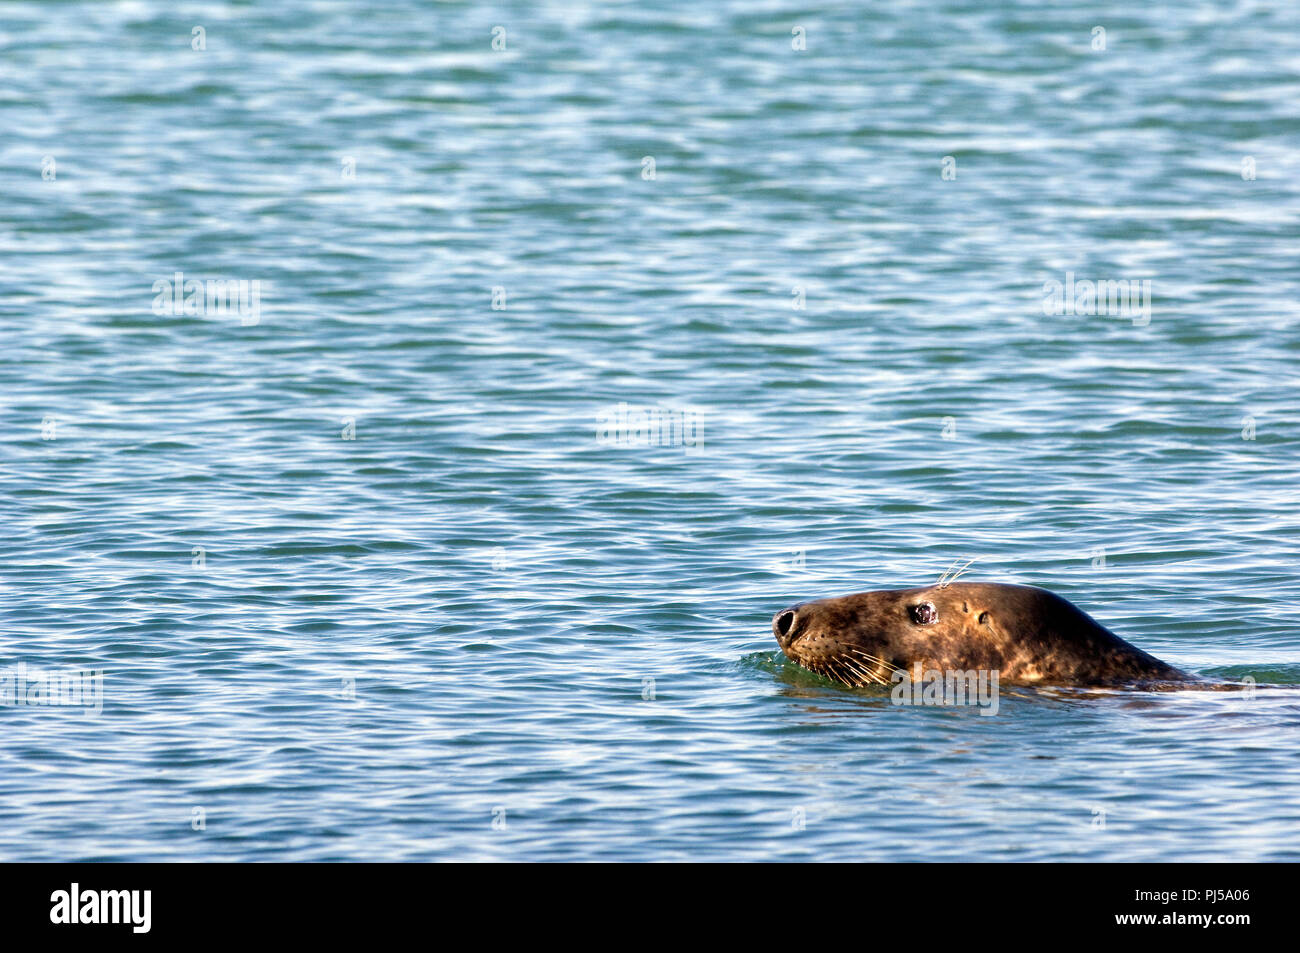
{"x": 960, "y": 572}
{"x": 863, "y": 670}
{"x": 870, "y": 672}
{"x": 855, "y": 668}
{"x": 854, "y": 665}
{"x": 876, "y": 659}
{"x": 847, "y": 681}
{"x": 855, "y": 675}
{"x": 949, "y": 577}
{"x": 868, "y": 655}
{"x": 941, "y": 584}
{"x": 824, "y": 670}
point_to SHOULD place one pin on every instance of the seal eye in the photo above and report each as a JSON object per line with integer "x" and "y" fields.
{"x": 924, "y": 613}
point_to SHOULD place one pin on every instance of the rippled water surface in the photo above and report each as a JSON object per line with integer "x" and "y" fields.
{"x": 370, "y": 576}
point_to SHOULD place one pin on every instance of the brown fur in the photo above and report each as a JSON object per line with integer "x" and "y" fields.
{"x": 1029, "y": 636}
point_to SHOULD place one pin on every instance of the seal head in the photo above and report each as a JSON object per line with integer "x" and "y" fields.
{"x": 1028, "y": 635}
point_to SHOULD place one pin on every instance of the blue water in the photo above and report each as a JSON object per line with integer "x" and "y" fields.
{"x": 365, "y": 580}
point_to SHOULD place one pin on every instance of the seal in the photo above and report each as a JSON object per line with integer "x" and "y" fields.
{"x": 1029, "y": 636}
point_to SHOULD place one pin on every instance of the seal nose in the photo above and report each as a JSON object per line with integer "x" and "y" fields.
{"x": 783, "y": 625}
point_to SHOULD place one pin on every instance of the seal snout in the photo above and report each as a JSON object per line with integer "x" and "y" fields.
{"x": 783, "y": 625}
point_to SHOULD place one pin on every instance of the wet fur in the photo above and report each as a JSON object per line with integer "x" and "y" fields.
{"x": 1028, "y": 635}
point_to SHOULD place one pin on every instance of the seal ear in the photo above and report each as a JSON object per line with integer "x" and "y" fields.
{"x": 983, "y": 619}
